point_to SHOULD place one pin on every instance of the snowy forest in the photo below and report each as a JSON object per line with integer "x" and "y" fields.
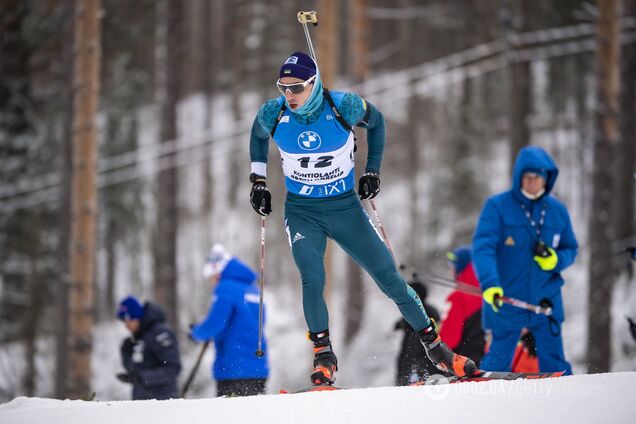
{"x": 167, "y": 105}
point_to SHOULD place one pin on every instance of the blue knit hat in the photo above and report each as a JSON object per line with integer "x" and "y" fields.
{"x": 459, "y": 258}
{"x": 543, "y": 173}
{"x": 298, "y": 65}
{"x": 130, "y": 308}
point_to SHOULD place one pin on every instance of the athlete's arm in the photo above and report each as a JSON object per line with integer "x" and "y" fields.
{"x": 259, "y": 137}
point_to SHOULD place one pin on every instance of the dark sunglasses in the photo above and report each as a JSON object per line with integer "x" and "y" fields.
{"x": 295, "y": 88}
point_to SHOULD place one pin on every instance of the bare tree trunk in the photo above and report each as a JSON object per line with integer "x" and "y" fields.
{"x": 111, "y": 252}
{"x": 360, "y": 49}
{"x": 212, "y": 52}
{"x": 520, "y": 86}
{"x": 407, "y": 35}
{"x": 327, "y": 49}
{"x": 626, "y": 169}
{"x": 464, "y": 187}
{"x": 359, "y": 39}
{"x": 62, "y": 291}
{"x": 601, "y": 226}
{"x": 240, "y": 17}
{"x": 326, "y": 53}
{"x": 32, "y": 319}
{"x": 82, "y": 249}
{"x": 520, "y": 108}
{"x": 165, "y": 249}
{"x": 194, "y": 28}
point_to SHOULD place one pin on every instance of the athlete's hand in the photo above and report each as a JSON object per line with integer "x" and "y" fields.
{"x": 260, "y": 197}
{"x": 369, "y": 185}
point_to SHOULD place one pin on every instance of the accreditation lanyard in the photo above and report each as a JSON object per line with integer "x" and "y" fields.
{"x": 536, "y": 226}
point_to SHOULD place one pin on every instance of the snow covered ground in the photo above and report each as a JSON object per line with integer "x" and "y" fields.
{"x": 607, "y": 398}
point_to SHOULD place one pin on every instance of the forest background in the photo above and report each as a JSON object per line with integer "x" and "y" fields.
{"x": 176, "y": 84}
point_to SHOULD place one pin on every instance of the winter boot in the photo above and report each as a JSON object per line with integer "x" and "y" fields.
{"x": 325, "y": 361}
{"x": 444, "y": 358}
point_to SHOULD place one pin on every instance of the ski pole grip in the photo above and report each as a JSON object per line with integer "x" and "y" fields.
{"x": 308, "y": 17}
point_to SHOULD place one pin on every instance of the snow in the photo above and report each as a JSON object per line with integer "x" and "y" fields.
{"x": 576, "y": 399}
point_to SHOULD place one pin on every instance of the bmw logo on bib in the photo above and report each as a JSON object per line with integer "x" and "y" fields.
{"x": 309, "y": 140}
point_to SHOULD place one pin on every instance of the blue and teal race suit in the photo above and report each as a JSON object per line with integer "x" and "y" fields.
{"x": 317, "y": 159}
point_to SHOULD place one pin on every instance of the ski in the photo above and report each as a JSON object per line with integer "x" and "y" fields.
{"x": 436, "y": 379}
{"x": 487, "y": 376}
{"x": 503, "y": 375}
{"x": 317, "y": 388}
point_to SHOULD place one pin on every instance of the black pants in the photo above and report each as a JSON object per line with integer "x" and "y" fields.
{"x": 244, "y": 387}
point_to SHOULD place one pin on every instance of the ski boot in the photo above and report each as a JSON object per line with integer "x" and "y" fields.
{"x": 325, "y": 361}
{"x": 445, "y": 359}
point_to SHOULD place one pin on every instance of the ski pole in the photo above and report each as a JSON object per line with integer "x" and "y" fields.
{"x": 259, "y": 349}
{"x": 384, "y": 236}
{"x": 186, "y": 386}
{"x": 475, "y": 291}
{"x": 537, "y": 309}
{"x": 308, "y": 18}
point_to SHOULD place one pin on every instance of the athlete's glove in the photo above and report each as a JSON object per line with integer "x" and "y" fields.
{"x": 130, "y": 377}
{"x": 369, "y": 185}
{"x": 260, "y": 197}
{"x": 493, "y": 296}
{"x": 546, "y": 257}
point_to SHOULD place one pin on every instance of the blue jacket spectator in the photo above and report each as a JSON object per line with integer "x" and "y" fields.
{"x": 151, "y": 356}
{"x": 523, "y": 240}
{"x": 232, "y": 322}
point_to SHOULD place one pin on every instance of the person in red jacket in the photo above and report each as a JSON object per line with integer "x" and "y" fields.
{"x": 525, "y": 358}
{"x": 461, "y": 328}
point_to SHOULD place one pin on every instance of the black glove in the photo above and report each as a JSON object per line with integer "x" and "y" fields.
{"x": 127, "y": 346}
{"x": 128, "y": 377}
{"x": 369, "y": 185}
{"x": 260, "y": 197}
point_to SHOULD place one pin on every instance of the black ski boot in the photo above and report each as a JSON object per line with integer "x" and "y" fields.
{"x": 325, "y": 361}
{"x": 444, "y": 358}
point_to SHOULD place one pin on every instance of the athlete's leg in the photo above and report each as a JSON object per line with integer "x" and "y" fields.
{"x": 308, "y": 242}
{"x": 355, "y": 233}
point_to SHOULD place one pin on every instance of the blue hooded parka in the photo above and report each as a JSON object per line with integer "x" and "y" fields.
{"x": 504, "y": 240}
{"x": 232, "y": 322}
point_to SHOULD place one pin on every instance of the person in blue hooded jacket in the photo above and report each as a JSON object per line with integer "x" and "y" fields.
{"x": 150, "y": 355}
{"x": 523, "y": 240}
{"x": 313, "y": 129}
{"x": 232, "y": 322}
